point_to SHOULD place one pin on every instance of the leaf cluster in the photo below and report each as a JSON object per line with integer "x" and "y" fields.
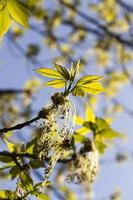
{"x": 63, "y": 77}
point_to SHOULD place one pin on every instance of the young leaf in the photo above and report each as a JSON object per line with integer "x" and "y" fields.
{"x": 4, "y": 20}
{"x": 100, "y": 146}
{"x": 89, "y": 114}
{"x": 77, "y": 91}
{"x": 79, "y": 138}
{"x": 79, "y": 120}
{"x": 101, "y": 124}
{"x": 92, "y": 88}
{"x": 82, "y": 131}
{"x": 63, "y": 71}
{"x": 51, "y": 73}
{"x": 5, "y": 159}
{"x": 56, "y": 83}
{"x": 42, "y": 196}
{"x": 88, "y": 79}
{"x": 15, "y": 170}
{"x": 108, "y": 133}
{"x": 74, "y": 69}
{"x": 10, "y": 145}
{"x": 18, "y": 12}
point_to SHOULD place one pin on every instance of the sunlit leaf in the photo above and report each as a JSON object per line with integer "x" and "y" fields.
{"x": 88, "y": 79}
{"x": 79, "y": 120}
{"x": 74, "y": 69}
{"x": 77, "y": 91}
{"x": 18, "y": 12}
{"x": 92, "y": 88}
{"x": 42, "y": 196}
{"x": 10, "y": 145}
{"x": 101, "y": 124}
{"x": 100, "y": 146}
{"x": 89, "y": 114}
{"x": 79, "y": 138}
{"x": 63, "y": 71}
{"x": 108, "y": 134}
{"x": 51, "y": 73}
{"x": 82, "y": 131}
{"x": 56, "y": 83}
{"x": 4, "y": 20}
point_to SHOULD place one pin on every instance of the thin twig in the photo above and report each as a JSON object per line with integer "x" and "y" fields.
{"x": 13, "y": 91}
{"x": 20, "y": 126}
{"x": 15, "y": 155}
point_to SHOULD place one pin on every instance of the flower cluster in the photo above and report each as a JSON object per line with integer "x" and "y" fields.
{"x": 57, "y": 132}
{"x": 85, "y": 166}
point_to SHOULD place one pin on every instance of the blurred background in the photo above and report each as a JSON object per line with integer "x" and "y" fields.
{"x": 100, "y": 35}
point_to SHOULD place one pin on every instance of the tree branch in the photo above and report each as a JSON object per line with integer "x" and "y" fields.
{"x": 13, "y": 91}
{"x": 15, "y": 155}
{"x": 20, "y": 126}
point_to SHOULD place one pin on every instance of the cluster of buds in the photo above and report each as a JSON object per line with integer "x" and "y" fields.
{"x": 85, "y": 166}
{"x": 59, "y": 123}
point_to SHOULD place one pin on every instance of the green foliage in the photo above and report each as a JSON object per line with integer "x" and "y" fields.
{"x": 10, "y": 145}
{"x": 5, "y": 159}
{"x": 12, "y": 10}
{"x": 64, "y": 77}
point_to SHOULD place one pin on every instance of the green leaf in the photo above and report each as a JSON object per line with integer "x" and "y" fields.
{"x": 18, "y": 12}
{"x": 36, "y": 163}
{"x": 79, "y": 138}
{"x": 90, "y": 84}
{"x": 10, "y": 145}
{"x": 92, "y": 88}
{"x": 31, "y": 145}
{"x": 82, "y": 131}
{"x": 5, "y": 159}
{"x": 7, "y": 194}
{"x": 56, "y": 83}
{"x": 90, "y": 125}
{"x": 101, "y": 124}
{"x": 51, "y": 73}
{"x": 89, "y": 114}
{"x": 4, "y": 20}
{"x": 100, "y": 146}
{"x": 63, "y": 71}
{"x": 108, "y": 133}
{"x": 88, "y": 79}
{"x": 42, "y": 196}
{"x": 14, "y": 171}
{"x": 77, "y": 91}
{"x": 79, "y": 120}
{"x": 74, "y": 70}
{"x": 9, "y": 165}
